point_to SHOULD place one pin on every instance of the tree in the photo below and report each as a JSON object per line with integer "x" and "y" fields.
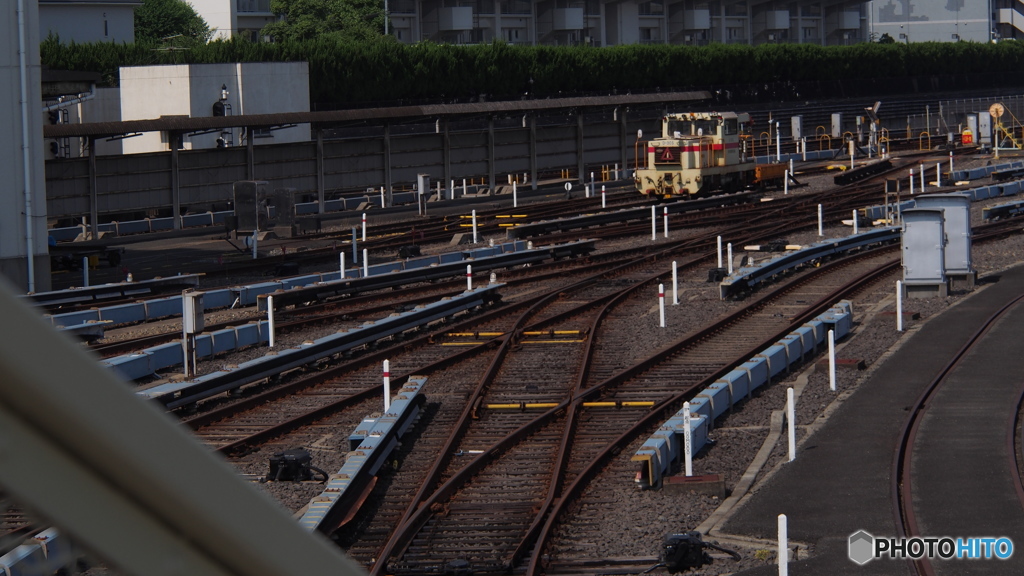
{"x": 169, "y": 21}
{"x": 886, "y": 39}
{"x": 308, "y": 19}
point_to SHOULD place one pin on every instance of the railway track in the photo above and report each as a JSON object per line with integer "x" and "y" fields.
{"x": 906, "y": 486}
{"x": 453, "y": 513}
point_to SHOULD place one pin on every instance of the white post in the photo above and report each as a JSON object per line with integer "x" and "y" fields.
{"x": 85, "y": 269}
{"x": 790, "y": 166}
{"x": 803, "y": 147}
{"x": 938, "y": 173}
{"x": 911, "y": 181}
{"x": 687, "y": 440}
{"x": 387, "y": 386}
{"x": 821, "y": 221}
{"x": 592, "y": 186}
{"x": 515, "y": 195}
{"x": 603, "y": 202}
{"x": 382, "y": 197}
{"x": 255, "y": 240}
{"x": 661, "y": 303}
{"x": 778, "y": 143}
{"x": 654, "y": 223}
{"x": 899, "y": 306}
{"x": 791, "y": 422}
{"x": 617, "y": 168}
{"x": 494, "y": 278}
{"x": 853, "y": 149}
{"x": 719, "y": 251}
{"x": 270, "y": 319}
{"x": 921, "y": 172}
{"x": 785, "y": 183}
{"x": 675, "y": 283}
{"x": 832, "y": 360}
{"x": 951, "y": 167}
{"x": 474, "y": 226}
{"x": 451, "y": 189}
{"x": 469, "y": 277}
{"x": 664, "y": 216}
{"x": 463, "y": 186}
{"x": 366, "y": 264}
{"x": 854, "y": 221}
{"x": 783, "y": 547}
{"x": 729, "y": 257}
{"x": 364, "y": 226}
{"x": 341, "y": 265}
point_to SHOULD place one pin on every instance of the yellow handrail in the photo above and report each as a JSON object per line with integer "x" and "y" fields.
{"x": 768, "y": 143}
{"x": 919, "y": 141}
{"x": 824, "y": 137}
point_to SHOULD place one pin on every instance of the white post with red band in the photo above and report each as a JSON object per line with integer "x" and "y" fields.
{"x": 387, "y": 386}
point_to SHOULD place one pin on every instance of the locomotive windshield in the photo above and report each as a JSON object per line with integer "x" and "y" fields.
{"x": 684, "y": 128}
{"x": 679, "y": 128}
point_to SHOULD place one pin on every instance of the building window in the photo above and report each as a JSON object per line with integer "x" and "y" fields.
{"x": 736, "y": 9}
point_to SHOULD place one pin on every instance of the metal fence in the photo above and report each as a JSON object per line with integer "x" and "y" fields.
{"x": 951, "y": 116}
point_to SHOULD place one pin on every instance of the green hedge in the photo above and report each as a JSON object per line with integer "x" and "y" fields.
{"x": 344, "y": 73}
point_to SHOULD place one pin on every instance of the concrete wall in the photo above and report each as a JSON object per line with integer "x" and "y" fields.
{"x": 14, "y": 246}
{"x": 92, "y": 22}
{"x": 931, "y": 21}
{"x": 105, "y": 107}
{"x": 149, "y": 92}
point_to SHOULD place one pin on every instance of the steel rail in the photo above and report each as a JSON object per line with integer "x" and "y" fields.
{"x": 902, "y": 484}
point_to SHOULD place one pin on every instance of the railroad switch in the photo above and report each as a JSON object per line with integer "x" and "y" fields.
{"x": 293, "y": 465}
{"x": 680, "y": 552}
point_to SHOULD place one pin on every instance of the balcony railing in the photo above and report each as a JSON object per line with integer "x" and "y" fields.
{"x": 253, "y": 6}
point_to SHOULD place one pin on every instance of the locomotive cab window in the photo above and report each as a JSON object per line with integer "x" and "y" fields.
{"x": 707, "y": 127}
{"x": 731, "y": 127}
{"x": 683, "y": 129}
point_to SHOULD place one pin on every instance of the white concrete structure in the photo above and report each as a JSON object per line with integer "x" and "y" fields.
{"x": 191, "y": 90}
{"x": 230, "y": 18}
{"x": 88, "y": 20}
{"x": 907, "y": 21}
{"x": 23, "y": 220}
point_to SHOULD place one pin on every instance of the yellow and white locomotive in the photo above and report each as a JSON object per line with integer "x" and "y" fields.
{"x": 698, "y": 153}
